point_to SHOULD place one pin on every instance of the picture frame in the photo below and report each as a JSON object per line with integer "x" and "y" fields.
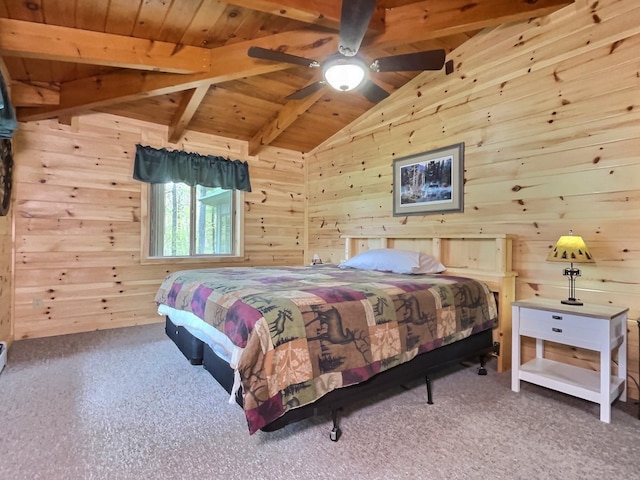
{"x": 429, "y": 182}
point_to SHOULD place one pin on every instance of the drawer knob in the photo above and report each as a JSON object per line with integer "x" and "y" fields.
{"x": 556, "y": 317}
{"x": 557, "y": 330}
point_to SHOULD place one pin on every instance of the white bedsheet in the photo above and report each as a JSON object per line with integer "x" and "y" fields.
{"x": 218, "y": 341}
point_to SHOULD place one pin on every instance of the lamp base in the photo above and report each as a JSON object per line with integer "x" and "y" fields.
{"x": 571, "y": 301}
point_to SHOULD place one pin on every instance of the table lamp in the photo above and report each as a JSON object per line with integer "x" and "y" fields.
{"x": 571, "y": 248}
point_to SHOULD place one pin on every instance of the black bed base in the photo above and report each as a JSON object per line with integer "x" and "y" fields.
{"x": 190, "y": 346}
{"x": 479, "y": 345}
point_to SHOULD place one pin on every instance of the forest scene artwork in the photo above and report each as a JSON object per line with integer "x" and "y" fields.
{"x": 430, "y": 182}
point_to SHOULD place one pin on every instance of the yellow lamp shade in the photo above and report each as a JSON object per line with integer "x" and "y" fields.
{"x": 570, "y": 248}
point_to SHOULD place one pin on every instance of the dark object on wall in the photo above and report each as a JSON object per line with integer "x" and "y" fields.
{"x": 6, "y": 175}
{"x": 8, "y": 122}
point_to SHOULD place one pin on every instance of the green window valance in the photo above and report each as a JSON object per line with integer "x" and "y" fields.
{"x": 164, "y": 166}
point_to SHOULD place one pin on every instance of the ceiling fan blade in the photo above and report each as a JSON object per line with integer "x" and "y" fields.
{"x": 354, "y": 21}
{"x": 276, "y": 56}
{"x": 306, "y": 91}
{"x": 373, "y": 92}
{"x": 427, "y": 60}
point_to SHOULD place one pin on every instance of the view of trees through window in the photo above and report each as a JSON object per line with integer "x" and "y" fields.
{"x": 188, "y": 221}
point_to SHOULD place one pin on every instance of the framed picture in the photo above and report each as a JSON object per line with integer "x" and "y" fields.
{"x": 429, "y": 182}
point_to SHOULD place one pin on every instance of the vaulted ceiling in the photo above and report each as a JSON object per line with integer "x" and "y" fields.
{"x": 184, "y": 63}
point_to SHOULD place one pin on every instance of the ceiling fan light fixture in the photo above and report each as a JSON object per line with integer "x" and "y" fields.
{"x": 344, "y": 74}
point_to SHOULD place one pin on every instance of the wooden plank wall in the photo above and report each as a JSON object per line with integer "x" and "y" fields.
{"x": 77, "y": 221}
{"x": 6, "y": 283}
{"x": 549, "y": 112}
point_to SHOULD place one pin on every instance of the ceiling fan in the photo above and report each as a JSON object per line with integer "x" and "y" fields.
{"x": 345, "y": 70}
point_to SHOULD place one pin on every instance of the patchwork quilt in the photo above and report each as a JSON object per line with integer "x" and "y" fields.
{"x": 306, "y": 331}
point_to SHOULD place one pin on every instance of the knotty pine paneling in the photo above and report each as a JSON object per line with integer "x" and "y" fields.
{"x": 77, "y": 223}
{"x": 549, "y": 112}
{"x": 6, "y": 279}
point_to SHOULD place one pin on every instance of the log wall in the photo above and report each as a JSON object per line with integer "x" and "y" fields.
{"x": 78, "y": 222}
{"x": 549, "y": 112}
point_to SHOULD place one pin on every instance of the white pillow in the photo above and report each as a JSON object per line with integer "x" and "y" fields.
{"x": 429, "y": 264}
{"x": 393, "y": 260}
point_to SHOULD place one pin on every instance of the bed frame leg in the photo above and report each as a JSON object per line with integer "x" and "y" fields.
{"x": 429, "y": 394}
{"x": 335, "y": 431}
{"x": 482, "y": 369}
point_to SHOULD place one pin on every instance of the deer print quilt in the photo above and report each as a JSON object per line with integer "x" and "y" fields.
{"x": 306, "y": 331}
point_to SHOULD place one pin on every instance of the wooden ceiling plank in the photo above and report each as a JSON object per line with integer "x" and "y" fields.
{"x": 90, "y": 15}
{"x": 207, "y": 17}
{"x": 151, "y": 16}
{"x": 430, "y": 19}
{"x": 229, "y": 62}
{"x": 177, "y": 21}
{"x": 325, "y": 13}
{"x": 28, "y": 11}
{"x": 285, "y": 117}
{"x": 51, "y": 42}
{"x": 55, "y": 12}
{"x": 25, "y": 94}
{"x": 119, "y": 20}
{"x": 190, "y": 102}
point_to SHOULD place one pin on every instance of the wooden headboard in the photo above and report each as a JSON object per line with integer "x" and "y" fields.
{"x": 484, "y": 257}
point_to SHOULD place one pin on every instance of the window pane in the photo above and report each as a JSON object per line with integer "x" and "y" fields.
{"x": 214, "y": 226}
{"x": 177, "y": 219}
{"x": 187, "y": 221}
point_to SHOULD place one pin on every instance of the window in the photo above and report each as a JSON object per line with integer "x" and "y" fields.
{"x": 192, "y": 221}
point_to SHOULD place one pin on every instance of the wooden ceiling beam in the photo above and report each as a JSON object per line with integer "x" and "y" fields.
{"x": 25, "y": 94}
{"x": 430, "y": 19}
{"x": 284, "y": 118}
{"x": 52, "y": 42}
{"x": 228, "y": 63}
{"x": 190, "y": 102}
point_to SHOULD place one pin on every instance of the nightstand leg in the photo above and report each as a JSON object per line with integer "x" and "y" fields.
{"x": 605, "y": 386}
{"x": 622, "y": 364}
{"x": 515, "y": 350}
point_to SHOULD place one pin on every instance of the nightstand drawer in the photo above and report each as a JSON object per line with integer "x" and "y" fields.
{"x": 562, "y": 328}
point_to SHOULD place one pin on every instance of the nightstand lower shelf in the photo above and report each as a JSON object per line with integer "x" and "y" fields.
{"x": 569, "y": 379}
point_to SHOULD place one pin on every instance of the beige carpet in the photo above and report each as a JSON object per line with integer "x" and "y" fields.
{"x": 125, "y": 404}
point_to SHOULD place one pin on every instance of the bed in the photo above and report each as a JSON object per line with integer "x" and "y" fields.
{"x": 291, "y": 342}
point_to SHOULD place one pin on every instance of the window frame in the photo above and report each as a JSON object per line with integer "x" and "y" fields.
{"x": 237, "y": 255}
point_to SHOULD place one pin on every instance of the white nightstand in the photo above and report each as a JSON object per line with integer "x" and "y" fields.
{"x": 594, "y": 327}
